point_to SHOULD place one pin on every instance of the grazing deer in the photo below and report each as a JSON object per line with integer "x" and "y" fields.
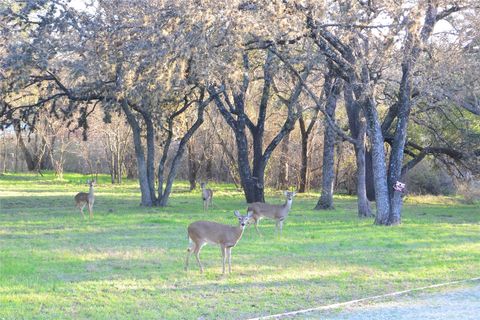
{"x": 279, "y": 213}
{"x": 207, "y": 196}
{"x": 203, "y": 232}
{"x": 82, "y": 199}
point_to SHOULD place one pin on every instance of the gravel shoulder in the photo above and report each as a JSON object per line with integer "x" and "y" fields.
{"x": 451, "y": 303}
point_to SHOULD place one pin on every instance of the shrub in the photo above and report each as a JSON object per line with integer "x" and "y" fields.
{"x": 425, "y": 178}
{"x": 470, "y": 191}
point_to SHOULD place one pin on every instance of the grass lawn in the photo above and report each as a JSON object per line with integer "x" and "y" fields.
{"x": 128, "y": 261}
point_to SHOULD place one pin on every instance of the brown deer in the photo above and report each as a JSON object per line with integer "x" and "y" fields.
{"x": 82, "y": 199}
{"x": 207, "y": 196}
{"x": 203, "y": 232}
{"x": 276, "y": 212}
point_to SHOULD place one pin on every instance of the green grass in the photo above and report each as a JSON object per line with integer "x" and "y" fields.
{"x": 128, "y": 261}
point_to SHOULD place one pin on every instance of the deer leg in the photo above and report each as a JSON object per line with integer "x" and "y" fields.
{"x": 280, "y": 223}
{"x": 256, "y": 226}
{"x": 90, "y": 210}
{"x": 197, "y": 256}
{"x": 81, "y": 211}
{"x": 204, "y": 205}
{"x": 223, "y": 249}
{"x": 189, "y": 253}
{"x": 229, "y": 254}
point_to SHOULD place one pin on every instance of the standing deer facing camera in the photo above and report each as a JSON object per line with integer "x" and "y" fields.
{"x": 278, "y": 213}
{"x": 203, "y": 232}
{"x": 207, "y": 196}
{"x": 82, "y": 199}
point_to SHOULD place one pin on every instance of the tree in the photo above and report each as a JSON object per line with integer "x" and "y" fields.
{"x": 116, "y": 69}
{"x": 332, "y": 89}
{"x": 252, "y": 177}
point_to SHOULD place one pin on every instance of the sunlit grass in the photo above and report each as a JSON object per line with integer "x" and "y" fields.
{"x": 128, "y": 261}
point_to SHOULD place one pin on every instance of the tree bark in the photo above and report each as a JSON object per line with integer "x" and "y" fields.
{"x": 332, "y": 90}
{"x": 192, "y": 166}
{"x": 283, "y": 165}
{"x": 252, "y": 179}
{"x": 304, "y": 156}
{"x": 147, "y": 118}
{"x": 147, "y": 199}
{"x": 31, "y": 165}
{"x": 378, "y": 162}
{"x": 163, "y": 198}
{"x": 358, "y": 130}
{"x": 363, "y": 204}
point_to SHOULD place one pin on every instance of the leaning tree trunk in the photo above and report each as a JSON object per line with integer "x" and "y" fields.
{"x": 326, "y": 198}
{"x": 163, "y": 195}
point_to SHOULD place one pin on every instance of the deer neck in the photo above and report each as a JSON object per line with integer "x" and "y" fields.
{"x": 90, "y": 192}
{"x": 288, "y": 204}
{"x": 238, "y": 233}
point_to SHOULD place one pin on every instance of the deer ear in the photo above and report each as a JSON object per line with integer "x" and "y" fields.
{"x": 285, "y": 193}
{"x": 249, "y": 214}
{"x": 237, "y": 214}
{"x": 88, "y": 180}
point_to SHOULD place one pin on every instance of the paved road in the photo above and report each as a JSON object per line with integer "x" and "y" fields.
{"x": 450, "y": 304}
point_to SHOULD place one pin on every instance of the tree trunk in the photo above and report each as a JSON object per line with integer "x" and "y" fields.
{"x": 369, "y": 180}
{"x": 112, "y": 168}
{"x": 358, "y": 130}
{"x": 400, "y": 137}
{"x": 339, "y": 152}
{"x": 378, "y": 162}
{"x": 253, "y": 179}
{"x": 332, "y": 90}
{"x": 5, "y": 152}
{"x": 150, "y": 153}
{"x": 192, "y": 166}
{"x": 147, "y": 199}
{"x": 163, "y": 197}
{"x": 283, "y": 165}
{"x": 362, "y": 201}
{"x": 304, "y": 157}
{"x": 31, "y": 165}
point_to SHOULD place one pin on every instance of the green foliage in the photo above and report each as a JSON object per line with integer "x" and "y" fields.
{"x": 128, "y": 261}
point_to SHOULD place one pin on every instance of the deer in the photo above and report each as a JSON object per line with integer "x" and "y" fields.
{"x": 279, "y": 213}
{"x": 227, "y": 236}
{"x": 82, "y": 199}
{"x": 207, "y": 196}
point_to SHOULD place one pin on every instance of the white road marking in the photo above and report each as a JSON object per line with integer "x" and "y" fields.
{"x": 347, "y": 303}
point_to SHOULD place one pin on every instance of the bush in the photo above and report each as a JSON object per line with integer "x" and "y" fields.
{"x": 470, "y": 191}
{"x": 425, "y": 178}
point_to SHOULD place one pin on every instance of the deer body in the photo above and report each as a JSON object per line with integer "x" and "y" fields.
{"x": 278, "y": 213}
{"x": 203, "y": 232}
{"x": 83, "y": 199}
{"x": 207, "y": 196}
